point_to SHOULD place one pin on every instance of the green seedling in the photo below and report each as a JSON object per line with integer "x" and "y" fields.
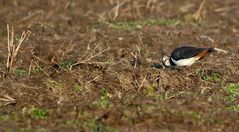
{"x": 37, "y": 69}
{"x": 189, "y": 19}
{"x": 53, "y": 84}
{"x": 72, "y": 123}
{"x": 19, "y": 72}
{"x": 110, "y": 61}
{"x": 66, "y": 64}
{"x": 97, "y": 126}
{"x": 37, "y": 113}
{"x": 169, "y": 94}
{"x": 166, "y": 130}
{"x": 103, "y": 102}
{"x": 209, "y": 75}
{"x": 234, "y": 108}
{"x": 196, "y": 117}
{"x": 140, "y": 23}
{"x": 178, "y": 114}
{"x": 78, "y": 88}
{"x": 76, "y": 122}
{"x": 150, "y": 108}
{"x": 46, "y": 25}
{"x": 232, "y": 90}
{"x": 4, "y": 118}
{"x": 151, "y": 89}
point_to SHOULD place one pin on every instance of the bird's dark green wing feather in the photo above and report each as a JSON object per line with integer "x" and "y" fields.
{"x": 185, "y": 52}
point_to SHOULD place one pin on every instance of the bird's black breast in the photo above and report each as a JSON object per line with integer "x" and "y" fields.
{"x": 185, "y": 52}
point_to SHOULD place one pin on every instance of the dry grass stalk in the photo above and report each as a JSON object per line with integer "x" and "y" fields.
{"x": 8, "y": 100}
{"x": 141, "y": 85}
{"x": 13, "y": 47}
{"x": 30, "y": 67}
{"x": 64, "y": 49}
{"x": 89, "y": 55}
{"x": 116, "y": 14}
{"x": 154, "y": 5}
{"x": 36, "y": 64}
{"x": 116, "y": 8}
{"x": 198, "y": 15}
{"x": 203, "y": 89}
{"x": 135, "y": 55}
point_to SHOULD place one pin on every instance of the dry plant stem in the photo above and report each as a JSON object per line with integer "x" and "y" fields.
{"x": 8, "y": 46}
{"x": 39, "y": 59}
{"x": 149, "y": 3}
{"x": 141, "y": 85}
{"x": 85, "y": 53}
{"x": 92, "y": 51}
{"x": 203, "y": 89}
{"x": 119, "y": 4}
{"x": 138, "y": 53}
{"x": 42, "y": 69}
{"x": 198, "y": 14}
{"x": 8, "y": 100}
{"x": 221, "y": 50}
{"x": 140, "y": 39}
{"x": 86, "y": 61}
{"x": 207, "y": 37}
{"x": 89, "y": 55}
{"x": 94, "y": 79}
{"x": 136, "y": 59}
{"x": 63, "y": 50}
{"x": 13, "y": 48}
{"x": 116, "y": 10}
{"x": 32, "y": 15}
{"x": 97, "y": 54}
{"x": 30, "y": 68}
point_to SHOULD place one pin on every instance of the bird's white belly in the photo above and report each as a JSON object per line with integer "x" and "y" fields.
{"x": 185, "y": 62}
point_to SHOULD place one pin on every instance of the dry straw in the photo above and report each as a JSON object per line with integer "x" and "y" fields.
{"x": 13, "y": 46}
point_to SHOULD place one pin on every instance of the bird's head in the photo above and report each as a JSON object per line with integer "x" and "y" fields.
{"x": 166, "y": 60}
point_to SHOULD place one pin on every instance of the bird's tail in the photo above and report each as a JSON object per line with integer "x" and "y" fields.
{"x": 218, "y": 50}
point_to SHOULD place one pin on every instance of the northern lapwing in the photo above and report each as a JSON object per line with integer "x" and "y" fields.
{"x": 187, "y": 55}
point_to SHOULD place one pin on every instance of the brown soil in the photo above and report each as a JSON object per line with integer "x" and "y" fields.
{"x": 114, "y": 87}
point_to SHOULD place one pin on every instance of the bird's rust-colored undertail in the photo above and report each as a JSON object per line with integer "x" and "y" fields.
{"x": 203, "y": 54}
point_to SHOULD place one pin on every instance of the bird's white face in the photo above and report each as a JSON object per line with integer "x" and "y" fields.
{"x": 166, "y": 61}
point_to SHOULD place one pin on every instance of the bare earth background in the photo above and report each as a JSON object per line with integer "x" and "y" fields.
{"x": 114, "y": 87}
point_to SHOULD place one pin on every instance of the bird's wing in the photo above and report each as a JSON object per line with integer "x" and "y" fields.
{"x": 185, "y": 52}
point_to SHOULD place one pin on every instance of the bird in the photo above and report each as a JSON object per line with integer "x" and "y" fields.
{"x": 186, "y": 56}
